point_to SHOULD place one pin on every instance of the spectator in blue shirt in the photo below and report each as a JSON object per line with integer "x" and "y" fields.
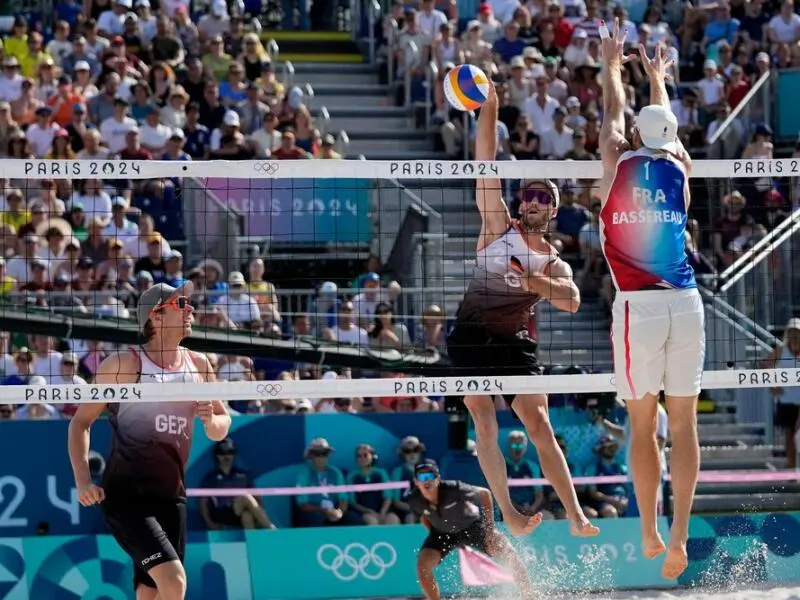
{"x": 722, "y": 28}
{"x": 198, "y": 137}
{"x": 231, "y": 512}
{"x": 173, "y": 274}
{"x": 316, "y": 510}
{"x": 371, "y": 508}
{"x": 24, "y": 363}
{"x": 609, "y": 499}
{"x": 528, "y": 499}
{"x": 510, "y": 45}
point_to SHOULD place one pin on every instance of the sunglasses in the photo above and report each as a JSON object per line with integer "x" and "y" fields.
{"x": 364, "y": 455}
{"x": 518, "y": 446}
{"x": 411, "y": 451}
{"x": 541, "y": 197}
{"x": 179, "y": 302}
{"x": 427, "y": 476}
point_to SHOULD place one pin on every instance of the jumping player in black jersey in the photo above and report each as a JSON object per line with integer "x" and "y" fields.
{"x": 144, "y": 494}
{"x": 515, "y": 268}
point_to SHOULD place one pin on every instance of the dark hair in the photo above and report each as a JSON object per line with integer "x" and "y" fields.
{"x": 149, "y": 330}
{"x": 380, "y": 309}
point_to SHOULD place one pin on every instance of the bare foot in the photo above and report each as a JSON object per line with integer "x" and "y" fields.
{"x": 652, "y": 546}
{"x": 583, "y": 528}
{"x": 676, "y": 561}
{"x": 519, "y": 524}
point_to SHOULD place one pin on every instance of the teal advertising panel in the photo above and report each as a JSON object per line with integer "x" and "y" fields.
{"x": 371, "y": 562}
{"x": 787, "y": 93}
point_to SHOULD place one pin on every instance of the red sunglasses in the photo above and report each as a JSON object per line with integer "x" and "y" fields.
{"x": 179, "y": 302}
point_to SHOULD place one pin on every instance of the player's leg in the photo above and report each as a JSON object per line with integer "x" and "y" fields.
{"x": 497, "y": 545}
{"x": 493, "y": 463}
{"x": 532, "y": 411}
{"x": 685, "y": 357}
{"x": 639, "y": 336}
{"x": 427, "y": 560}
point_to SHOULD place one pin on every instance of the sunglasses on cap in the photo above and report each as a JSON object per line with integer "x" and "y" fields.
{"x": 179, "y": 302}
{"x": 541, "y": 197}
{"x": 426, "y": 476}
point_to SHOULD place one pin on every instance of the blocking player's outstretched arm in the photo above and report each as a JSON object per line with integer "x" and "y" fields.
{"x": 495, "y": 218}
{"x": 612, "y": 131}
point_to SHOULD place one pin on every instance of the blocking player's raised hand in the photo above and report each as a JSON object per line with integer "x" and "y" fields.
{"x": 660, "y": 64}
{"x": 612, "y": 44}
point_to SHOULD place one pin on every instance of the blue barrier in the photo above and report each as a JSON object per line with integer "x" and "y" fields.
{"x": 36, "y": 486}
{"x": 308, "y": 564}
{"x": 788, "y": 87}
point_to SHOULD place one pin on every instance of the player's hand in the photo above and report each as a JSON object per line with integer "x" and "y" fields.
{"x": 612, "y": 44}
{"x": 659, "y": 64}
{"x": 491, "y": 97}
{"x": 205, "y": 411}
{"x": 334, "y": 514}
{"x": 91, "y": 494}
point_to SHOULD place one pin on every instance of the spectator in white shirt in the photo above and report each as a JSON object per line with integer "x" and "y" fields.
{"x": 367, "y": 300}
{"x": 46, "y": 361}
{"x": 120, "y": 227}
{"x": 712, "y": 88}
{"x": 429, "y": 20}
{"x": 504, "y": 9}
{"x": 217, "y": 22}
{"x": 491, "y": 28}
{"x": 114, "y": 129}
{"x": 95, "y": 202}
{"x": 240, "y": 307}
{"x": 68, "y": 371}
{"x": 346, "y": 331}
{"x": 784, "y": 28}
{"x": 20, "y": 267}
{"x": 575, "y": 120}
{"x": 41, "y": 133}
{"x": 59, "y": 46}
{"x": 153, "y": 133}
{"x": 556, "y": 141}
{"x": 37, "y": 411}
{"x": 540, "y": 107}
{"x": 147, "y": 20}
{"x": 268, "y": 137}
{"x": 577, "y": 53}
{"x": 11, "y": 81}
{"x": 112, "y": 22}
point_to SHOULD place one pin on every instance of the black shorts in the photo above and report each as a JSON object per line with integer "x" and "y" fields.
{"x": 473, "y": 536}
{"x": 786, "y": 415}
{"x": 152, "y": 533}
{"x": 476, "y": 352}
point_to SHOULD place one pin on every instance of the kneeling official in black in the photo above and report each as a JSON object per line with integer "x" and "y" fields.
{"x": 457, "y": 515}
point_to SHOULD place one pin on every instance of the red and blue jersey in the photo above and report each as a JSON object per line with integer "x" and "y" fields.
{"x": 643, "y": 223}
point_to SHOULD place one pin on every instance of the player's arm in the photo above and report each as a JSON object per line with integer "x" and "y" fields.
{"x": 656, "y": 70}
{"x": 612, "y": 132}
{"x": 495, "y": 218}
{"x": 214, "y": 414}
{"x": 557, "y": 286}
{"x": 117, "y": 368}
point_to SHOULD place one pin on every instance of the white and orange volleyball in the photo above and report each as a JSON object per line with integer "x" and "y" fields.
{"x": 466, "y": 87}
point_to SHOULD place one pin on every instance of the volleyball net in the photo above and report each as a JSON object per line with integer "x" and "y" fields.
{"x": 335, "y": 279}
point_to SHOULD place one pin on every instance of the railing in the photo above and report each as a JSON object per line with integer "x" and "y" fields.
{"x": 767, "y": 271}
{"x": 288, "y": 74}
{"x": 272, "y": 48}
{"x": 393, "y": 34}
{"x": 375, "y": 15}
{"x": 745, "y": 108}
{"x": 431, "y": 80}
{"x": 411, "y": 57}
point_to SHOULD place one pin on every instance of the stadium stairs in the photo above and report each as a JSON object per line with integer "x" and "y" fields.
{"x": 348, "y": 96}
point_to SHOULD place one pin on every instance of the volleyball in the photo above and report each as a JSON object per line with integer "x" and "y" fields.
{"x": 466, "y": 87}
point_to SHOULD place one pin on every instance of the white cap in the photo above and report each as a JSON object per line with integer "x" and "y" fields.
{"x": 125, "y": 3}
{"x": 658, "y": 128}
{"x": 572, "y": 102}
{"x": 518, "y": 62}
{"x": 329, "y": 288}
{"x": 231, "y": 119}
{"x": 219, "y": 8}
{"x": 793, "y": 324}
{"x": 173, "y": 254}
{"x": 236, "y": 278}
{"x": 709, "y": 64}
{"x": 580, "y": 34}
{"x": 142, "y": 3}
{"x": 82, "y": 65}
{"x": 473, "y": 24}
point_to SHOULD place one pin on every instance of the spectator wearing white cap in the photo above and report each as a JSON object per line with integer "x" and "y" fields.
{"x": 37, "y": 411}
{"x": 80, "y": 56}
{"x": 11, "y": 80}
{"x": 174, "y": 149}
{"x": 216, "y": 22}
{"x": 153, "y": 133}
{"x": 711, "y": 88}
{"x": 240, "y": 307}
{"x": 112, "y": 22}
{"x": 519, "y": 88}
{"x": 147, "y": 20}
{"x": 574, "y": 120}
{"x": 68, "y": 371}
{"x": 114, "y": 129}
{"x": 577, "y": 53}
{"x": 230, "y": 126}
{"x": 173, "y": 270}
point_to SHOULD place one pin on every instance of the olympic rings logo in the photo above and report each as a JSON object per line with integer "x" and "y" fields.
{"x": 267, "y": 168}
{"x": 356, "y": 559}
{"x": 267, "y": 389}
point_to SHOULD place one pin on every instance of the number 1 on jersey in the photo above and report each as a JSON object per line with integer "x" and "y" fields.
{"x": 647, "y": 171}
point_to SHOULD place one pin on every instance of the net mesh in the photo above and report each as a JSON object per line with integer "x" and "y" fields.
{"x": 358, "y": 265}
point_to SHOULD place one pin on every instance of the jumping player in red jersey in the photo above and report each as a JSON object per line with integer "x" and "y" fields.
{"x": 515, "y": 268}
{"x": 143, "y": 495}
{"x": 658, "y": 326}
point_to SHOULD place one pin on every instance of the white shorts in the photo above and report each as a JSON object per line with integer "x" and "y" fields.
{"x": 659, "y": 340}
